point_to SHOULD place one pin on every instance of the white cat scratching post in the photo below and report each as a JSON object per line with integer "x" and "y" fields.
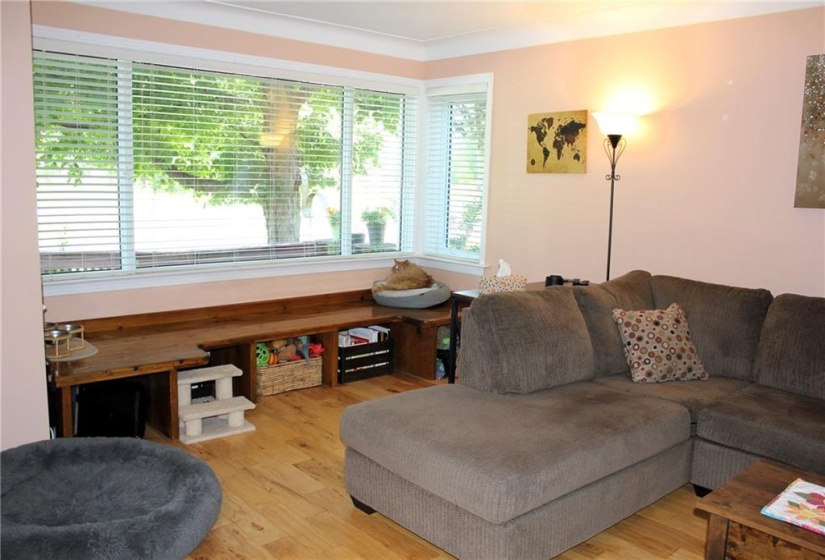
{"x": 211, "y": 418}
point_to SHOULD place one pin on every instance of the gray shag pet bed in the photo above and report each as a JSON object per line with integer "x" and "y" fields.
{"x": 419, "y": 298}
{"x": 95, "y": 498}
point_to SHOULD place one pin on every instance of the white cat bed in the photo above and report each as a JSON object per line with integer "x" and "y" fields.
{"x": 418, "y": 298}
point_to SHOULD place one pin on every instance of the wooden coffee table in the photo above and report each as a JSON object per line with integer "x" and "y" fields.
{"x": 737, "y": 530}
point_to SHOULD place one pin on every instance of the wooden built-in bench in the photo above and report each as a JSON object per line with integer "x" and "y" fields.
{"x": 156, "y": 345}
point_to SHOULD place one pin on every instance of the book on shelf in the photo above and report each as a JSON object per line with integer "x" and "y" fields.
{"x": 383, "y": 332}
{"x": 801, "y": 503}
{"x": 343, "y": 338}
{"x": 363, "y": 335}
{"x": 366, "y": 333}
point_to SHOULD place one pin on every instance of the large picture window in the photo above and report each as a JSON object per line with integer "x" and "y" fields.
{"x": 147, "y": 167}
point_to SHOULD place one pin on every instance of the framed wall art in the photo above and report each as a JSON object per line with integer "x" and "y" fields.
{"x": 810, "y": 171}
{"x": 557, "y": 142}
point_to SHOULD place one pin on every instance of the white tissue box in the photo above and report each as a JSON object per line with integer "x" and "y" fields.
{"x": 511, "y": 283}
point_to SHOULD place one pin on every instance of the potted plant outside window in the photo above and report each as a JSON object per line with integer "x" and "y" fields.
{"x": 335, "y": 223}
{"x": 376, "y": 221}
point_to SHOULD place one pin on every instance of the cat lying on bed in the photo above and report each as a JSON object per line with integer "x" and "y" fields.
{"x": 404, "y": 276}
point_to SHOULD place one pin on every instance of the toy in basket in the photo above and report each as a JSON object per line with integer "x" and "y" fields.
{"x": 287, "y": 364}
{"x": 503, "y": 281}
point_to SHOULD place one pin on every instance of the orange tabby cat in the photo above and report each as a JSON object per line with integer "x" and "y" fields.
{"x": 404, "y": 276}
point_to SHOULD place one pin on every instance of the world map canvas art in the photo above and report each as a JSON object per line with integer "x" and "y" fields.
{"x": 557, "y": 142}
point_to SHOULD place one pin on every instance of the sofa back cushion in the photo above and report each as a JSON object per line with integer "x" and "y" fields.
{"x": 725, "y": 321}
{"x": 791, "y": 354}
{"x": 520, "y": 342}
{"x": 597, "y": 302}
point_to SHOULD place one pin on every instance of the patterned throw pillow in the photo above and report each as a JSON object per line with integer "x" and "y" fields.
{"x": 658, "y": 346}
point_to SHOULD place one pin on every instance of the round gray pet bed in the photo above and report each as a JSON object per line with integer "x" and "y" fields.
{"x": 419, "y": 298}
{"x": 95, "y": 498}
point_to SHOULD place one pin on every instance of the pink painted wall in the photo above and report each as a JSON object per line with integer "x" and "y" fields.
{"x": 109, "y": 304}
{"x": 707, "y": 188}
{"x": 23, "y": 412}
{"x": 96, "y": 20}
{"x": 708, "y": 182}
{"x": 134, "y": 26}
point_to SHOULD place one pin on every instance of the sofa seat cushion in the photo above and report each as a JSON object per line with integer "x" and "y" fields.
{"x": 694, "y": 395}
{"x": 500, "y": 456}
{"x": 768, "y": 422}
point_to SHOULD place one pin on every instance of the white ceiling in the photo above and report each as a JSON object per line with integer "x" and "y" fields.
{"x": 427, "y": 21}
{"x": 431, "y": 30}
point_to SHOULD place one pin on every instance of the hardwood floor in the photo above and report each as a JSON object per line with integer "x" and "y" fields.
{"x": 284, "y": 496}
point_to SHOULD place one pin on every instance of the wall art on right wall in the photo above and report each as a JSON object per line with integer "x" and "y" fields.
{"x": 810, "y": 173}
{"x": 557, "y": 142}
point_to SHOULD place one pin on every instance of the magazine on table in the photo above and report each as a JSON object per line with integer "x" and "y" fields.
{"x": 801, "y": 503}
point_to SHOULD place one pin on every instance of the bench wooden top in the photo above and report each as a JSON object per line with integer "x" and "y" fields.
{"x": 153, "y": 343}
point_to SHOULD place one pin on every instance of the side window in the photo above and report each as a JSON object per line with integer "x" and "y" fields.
{"x": 457, "y": 169}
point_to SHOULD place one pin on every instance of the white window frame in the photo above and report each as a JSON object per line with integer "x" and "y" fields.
{"x": 83, "y": 43}
{"x": 456, "y": 261}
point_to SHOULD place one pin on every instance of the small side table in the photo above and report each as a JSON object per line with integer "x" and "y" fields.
{"x": 737, "y": 524}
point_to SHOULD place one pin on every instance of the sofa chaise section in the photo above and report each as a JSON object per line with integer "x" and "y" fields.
{"x": 500, "y": 457}
{"x": 517, "y": 461}
{"x": 539, "y": 534}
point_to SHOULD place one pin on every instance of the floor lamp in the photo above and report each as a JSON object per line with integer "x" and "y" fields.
{"x": 614, "y": 126}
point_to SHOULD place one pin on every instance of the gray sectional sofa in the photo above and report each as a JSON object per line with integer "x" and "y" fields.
{"x": 547, "y": 440}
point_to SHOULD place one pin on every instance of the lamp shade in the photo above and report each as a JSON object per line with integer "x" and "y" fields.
{"x": 616, "y": 123}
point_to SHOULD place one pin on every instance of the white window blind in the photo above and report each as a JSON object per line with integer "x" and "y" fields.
{"x": 457, "y": 138}
{"x": 146, "y": 167}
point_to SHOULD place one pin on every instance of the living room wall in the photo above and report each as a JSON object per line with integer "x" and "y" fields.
{"x": 22, "y": 375}
{"x": 79, "y": 17}
{"x": 708, "y": 182}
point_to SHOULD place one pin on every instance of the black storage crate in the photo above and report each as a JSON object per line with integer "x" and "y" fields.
{"x": 112, "y": 409}
{"x": 363, "y": 361}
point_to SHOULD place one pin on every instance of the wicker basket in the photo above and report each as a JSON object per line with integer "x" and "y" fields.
{"x": 287, "y": 376}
